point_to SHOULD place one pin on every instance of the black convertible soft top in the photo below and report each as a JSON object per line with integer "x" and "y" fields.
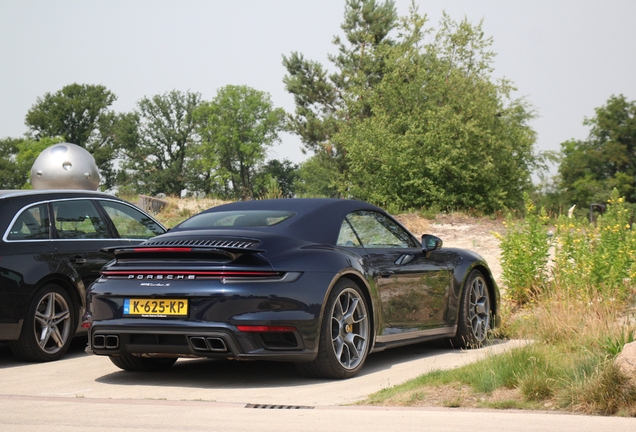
{"x": 317, "y": 220}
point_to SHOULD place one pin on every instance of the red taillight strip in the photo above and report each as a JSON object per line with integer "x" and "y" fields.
{"x": 163, "y": 249}
{"x": 185, "y": 273}
{"x": 261, "y": 329}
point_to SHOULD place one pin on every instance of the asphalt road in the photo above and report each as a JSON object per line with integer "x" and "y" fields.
{"x": 83, "y": 392}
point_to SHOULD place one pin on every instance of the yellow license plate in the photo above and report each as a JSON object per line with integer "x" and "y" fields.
{"x": 155, "y": 307}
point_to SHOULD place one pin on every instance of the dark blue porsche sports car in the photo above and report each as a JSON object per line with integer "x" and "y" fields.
{"x": 318, "y": 282}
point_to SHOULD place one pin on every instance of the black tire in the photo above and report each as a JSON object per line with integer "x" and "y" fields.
{"x": 345, "y": 334}
{"x": 48, "y": 327}
{"x": 475, "y": 315}
{"x": 133, "y": 363}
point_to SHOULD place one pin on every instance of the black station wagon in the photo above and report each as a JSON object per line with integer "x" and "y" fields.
{"x": 50, "y": 254}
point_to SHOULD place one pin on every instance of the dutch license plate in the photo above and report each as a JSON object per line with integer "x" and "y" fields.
{"x": 155, "y": 307}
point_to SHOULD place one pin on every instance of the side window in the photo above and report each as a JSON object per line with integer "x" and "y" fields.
{"x": 79, "y": 219}
{"x": 130, "y": 222}
{"x": 32, "y": 224}
{"x": 347, "y": 236}
{"x": 377, "y": 231}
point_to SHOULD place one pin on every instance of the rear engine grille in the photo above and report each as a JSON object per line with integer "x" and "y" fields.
{"x": 220, "y": 243}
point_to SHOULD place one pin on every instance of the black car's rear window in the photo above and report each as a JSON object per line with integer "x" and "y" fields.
{"x": 236, "y": 218}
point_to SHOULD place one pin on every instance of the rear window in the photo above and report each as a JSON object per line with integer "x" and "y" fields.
{"x": 236, "y": 218}
{"x": 32, "y": 224}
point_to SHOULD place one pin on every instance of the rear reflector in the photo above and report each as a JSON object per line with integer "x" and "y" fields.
{"x": 162, "y": 249}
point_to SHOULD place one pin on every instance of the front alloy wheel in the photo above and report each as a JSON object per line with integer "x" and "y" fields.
{"x": 475, "y": 313}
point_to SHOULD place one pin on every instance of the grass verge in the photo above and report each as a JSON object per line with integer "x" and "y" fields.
{"x": 569, "y": 366}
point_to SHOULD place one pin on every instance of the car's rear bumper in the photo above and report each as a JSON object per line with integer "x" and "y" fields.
{"x": 241, "y": 320}
{"x": 213, "y": 340}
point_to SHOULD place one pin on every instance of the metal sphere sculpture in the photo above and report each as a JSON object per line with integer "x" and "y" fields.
{"x": 65, "y": 166}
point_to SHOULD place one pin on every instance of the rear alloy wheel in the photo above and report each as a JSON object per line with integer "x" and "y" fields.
{"x": 475, "y": 314}
{"x": 344, "y": 334}
{"x": 133, "y": 363}
{"x": 48, "y": 328}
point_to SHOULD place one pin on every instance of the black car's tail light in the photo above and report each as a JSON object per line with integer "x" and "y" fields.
{"x": 190, "y": 275}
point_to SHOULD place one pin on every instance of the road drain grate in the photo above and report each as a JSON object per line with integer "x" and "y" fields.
{"x": 264, "y": 406}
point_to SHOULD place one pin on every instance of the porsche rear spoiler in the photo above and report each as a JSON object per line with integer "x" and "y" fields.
{"x": 151, "y": 251}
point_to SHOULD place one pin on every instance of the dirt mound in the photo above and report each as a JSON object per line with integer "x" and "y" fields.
{"x": 476, "y": 234}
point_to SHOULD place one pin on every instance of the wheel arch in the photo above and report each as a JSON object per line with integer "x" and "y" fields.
{"x": 74, "y": 291}
{"x": 366, "y": 291}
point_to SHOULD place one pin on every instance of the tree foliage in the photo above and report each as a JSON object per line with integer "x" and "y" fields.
{"x": 17, "y": 156}
{"x": 318, "y": 177}
{"x": 156, "y": 139}
{"x": 590, "y": 169}
{"x": 79, "y": 113}
{"x": 11, "y": 177}
{"x": 441, "y": 133}
{"x": 321, "y": 98}
{"x": 236, "y": 129}
{"x": 415, "y": 120}
{"x": 284, "y": 173}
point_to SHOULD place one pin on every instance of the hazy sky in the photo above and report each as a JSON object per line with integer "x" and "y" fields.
{"x": 566, "y": 57}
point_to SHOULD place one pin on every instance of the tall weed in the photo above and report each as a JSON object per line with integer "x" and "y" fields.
{"x": 588, "y": 261}
{"x": 525, "y": 254}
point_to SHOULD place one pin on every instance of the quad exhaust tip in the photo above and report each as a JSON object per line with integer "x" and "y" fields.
{"x": 213, "y": 344}
{"x": 110, "y": 342}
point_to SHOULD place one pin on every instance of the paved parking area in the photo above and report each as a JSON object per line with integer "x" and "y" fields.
{"x": 80, "y": 375}
{"x": 83, "y": 392}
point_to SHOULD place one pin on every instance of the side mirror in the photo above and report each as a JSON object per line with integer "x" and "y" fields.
{"x": 431, "y": 243}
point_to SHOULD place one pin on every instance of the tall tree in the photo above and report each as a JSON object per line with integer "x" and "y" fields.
{"x": 590, "y": 169}
{"x": 236, "y": 128}
{"x": 79, "y": 113}
{"x": 442, "y": 132}
{"x": 156, "y": 139}
{"x": 413, "y": 117}
{"x": 322, "y": 99}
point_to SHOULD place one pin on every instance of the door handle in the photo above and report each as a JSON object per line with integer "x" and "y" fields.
{"x": 404, "y": 259}
{"x": 387, "y": 274}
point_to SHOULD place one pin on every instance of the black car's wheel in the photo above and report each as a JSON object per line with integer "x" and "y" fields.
{"x": 142, "y": 364}
{"x": 48, "y": 327}
{"x": 345, "y": 334}
{"x": 475, "y": 313}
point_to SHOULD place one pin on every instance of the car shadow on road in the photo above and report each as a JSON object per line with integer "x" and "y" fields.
{"x": 75, "y": 350}
{"x": 219, "y": 374}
